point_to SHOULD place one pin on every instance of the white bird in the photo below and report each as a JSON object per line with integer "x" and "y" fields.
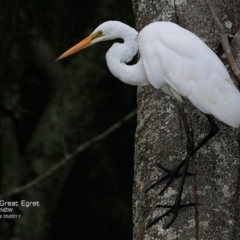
{"x": 179, "y": 63}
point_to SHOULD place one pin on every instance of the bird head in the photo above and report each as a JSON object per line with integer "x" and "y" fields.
{"x": 95, "y": 37}
{"x": 104, "y": 32}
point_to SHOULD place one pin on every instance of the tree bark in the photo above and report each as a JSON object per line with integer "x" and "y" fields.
{"x": 160, "y": 137}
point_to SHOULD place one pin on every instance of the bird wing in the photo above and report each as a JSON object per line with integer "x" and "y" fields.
{"x": 174, "y": 56}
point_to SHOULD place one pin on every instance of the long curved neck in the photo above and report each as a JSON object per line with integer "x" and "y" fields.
{"x": 121, "y": 53}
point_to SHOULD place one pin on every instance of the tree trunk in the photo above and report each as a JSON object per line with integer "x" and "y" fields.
{"x": 160, "y": 137}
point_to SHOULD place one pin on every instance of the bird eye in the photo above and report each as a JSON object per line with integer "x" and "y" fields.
{"x": 100, "y": 32}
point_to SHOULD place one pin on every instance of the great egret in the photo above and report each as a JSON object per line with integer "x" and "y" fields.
{"x": 180, "y": 64}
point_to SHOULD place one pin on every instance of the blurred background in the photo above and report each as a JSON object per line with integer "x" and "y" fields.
{"x": 49, "y": 108}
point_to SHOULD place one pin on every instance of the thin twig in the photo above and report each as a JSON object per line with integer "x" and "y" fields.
{"x": 235, "y": 15}
{"x": 224, "y": 41}
{"x": 69, "y": 156}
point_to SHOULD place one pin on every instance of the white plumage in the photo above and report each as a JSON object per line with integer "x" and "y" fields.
{"x": 172, "y": 59}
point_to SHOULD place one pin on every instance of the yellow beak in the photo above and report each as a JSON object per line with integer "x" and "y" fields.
{"x": 79, "y": 46}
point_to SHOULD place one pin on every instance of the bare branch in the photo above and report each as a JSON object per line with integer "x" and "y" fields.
{"x": 69, "y": 157}
{"x": 235, "y": 15}
{"x": 224, "y": 41}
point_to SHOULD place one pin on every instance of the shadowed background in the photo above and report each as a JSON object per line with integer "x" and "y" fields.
{"x": 48, "y": 108}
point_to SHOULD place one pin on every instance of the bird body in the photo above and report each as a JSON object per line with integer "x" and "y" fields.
{"x": 172, "y": 59}
{"x": 189, "y": 67}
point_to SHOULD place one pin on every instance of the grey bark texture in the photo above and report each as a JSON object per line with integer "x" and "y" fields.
{"x": 160, "y": 137}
